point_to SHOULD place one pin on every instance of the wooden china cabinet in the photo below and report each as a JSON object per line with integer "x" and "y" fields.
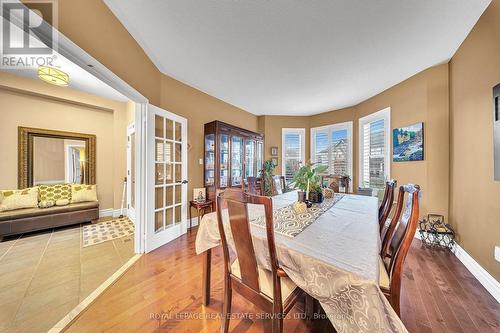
{"x": 231, "y": 155}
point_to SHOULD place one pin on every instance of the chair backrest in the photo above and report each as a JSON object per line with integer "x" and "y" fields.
{"x": 237, "y": 206}
{"x": 402, "y": 233}
{"x": 386, "y": 205}
{"x": 254, "y": 185}
{"x": 279, "y": 184}
{"x": 335, "y": 181}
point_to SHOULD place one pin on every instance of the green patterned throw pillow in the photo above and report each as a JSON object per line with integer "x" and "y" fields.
{"x": 83, "y": 193}
{"x": 18, "y": 199}
{"x": 55, "y": 192}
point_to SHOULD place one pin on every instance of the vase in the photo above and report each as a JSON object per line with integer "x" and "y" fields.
{"x": 314, "y": 197}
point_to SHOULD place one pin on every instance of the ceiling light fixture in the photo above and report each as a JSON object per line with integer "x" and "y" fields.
{"x": 53, "y": 76}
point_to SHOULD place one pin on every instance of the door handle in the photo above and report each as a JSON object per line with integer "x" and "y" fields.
{"x": 184, "y": 182}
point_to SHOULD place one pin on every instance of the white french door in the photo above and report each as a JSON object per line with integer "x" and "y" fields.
{"x": 166, "y": 177}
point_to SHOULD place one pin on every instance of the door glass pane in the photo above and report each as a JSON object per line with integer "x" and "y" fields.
{"x": 209, "y": 159}
{"x": 178, "y": 194}
{"x": 159, "y": 198}
{"x": 169, "y": 175}
{"x": 224, "y": 159}
{"x": 160, "y": 174}
{"x": 178, "y": 152}
{"x": 159, "y": 221}
{"x": 168, "y": 152}
{"x": 178, "y": 214}
{"x": 170, "y": 130}
{"x": 236, "y": 160}
{"x": 249, "y": 159}
{"x": 169, "y": 218}
{"x": 178, "y": 131}
{"x": 178, "y": 173}
{"x": 159, "y": 150}
{"x": 169, "y": 196}
{"x": 159, "y": 125}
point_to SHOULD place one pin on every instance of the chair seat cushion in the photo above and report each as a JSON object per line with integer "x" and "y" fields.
{"x": 384, "y": 280}
{"x": 266, "y": 281}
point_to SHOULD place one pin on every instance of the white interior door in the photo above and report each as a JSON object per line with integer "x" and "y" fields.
{"x": 131, "y": 172}
{"x": 166, "y": 177}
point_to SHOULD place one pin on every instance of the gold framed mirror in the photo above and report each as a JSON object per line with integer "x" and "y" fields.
{"x": 51, "y": 157}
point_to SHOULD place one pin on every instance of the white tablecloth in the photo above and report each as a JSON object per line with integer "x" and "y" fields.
{"x": 335, "y": 260}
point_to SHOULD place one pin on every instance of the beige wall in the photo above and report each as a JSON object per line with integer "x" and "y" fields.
{"x": 421, "y": 98}
{"x": 271, "y": 127}
{"x": 474, "y": 195}
{"x": 48, "y": 110}
{"x": 199, "y": 109}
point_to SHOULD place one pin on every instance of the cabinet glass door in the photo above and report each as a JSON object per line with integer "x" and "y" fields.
{"x": 236, "y": 160}
{"x": 250, "y": 158}
{"x": 209, "y": 159}
{"x": 224, "y": 160}
{"x": 260, "y": 157}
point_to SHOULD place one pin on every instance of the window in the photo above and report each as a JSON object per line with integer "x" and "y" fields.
{"x": 293, "y": 151}
{"x": 374, "y": 150}
{"x": 332, "y": 146}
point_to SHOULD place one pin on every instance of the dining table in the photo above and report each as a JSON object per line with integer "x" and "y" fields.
{"x": 331, "y": 251}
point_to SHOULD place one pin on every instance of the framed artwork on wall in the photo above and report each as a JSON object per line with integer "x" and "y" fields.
{"x": 274, "y": 151}
{"x": 275, "y": 161}
{"x": 408, "y": 143}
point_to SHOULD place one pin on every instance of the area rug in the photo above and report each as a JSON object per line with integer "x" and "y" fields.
{"x": 101, "y": 232}
{"x": 289, "y": 223}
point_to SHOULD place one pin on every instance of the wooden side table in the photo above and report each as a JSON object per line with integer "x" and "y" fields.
{"x": 200, "y": 206}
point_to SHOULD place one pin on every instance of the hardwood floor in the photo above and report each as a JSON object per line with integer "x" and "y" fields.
{"x": 162, "y": 293}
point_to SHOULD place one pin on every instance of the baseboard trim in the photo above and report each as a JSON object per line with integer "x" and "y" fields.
{"x": 482, "y": 275}
{"x": 111, "y": 212}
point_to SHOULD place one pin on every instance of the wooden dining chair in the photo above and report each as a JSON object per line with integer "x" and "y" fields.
{"x": 386, "y": 205}
{"x": 401, "y": 237}
{"x": 254, "y": 185}
{"x": 271, "y": 291}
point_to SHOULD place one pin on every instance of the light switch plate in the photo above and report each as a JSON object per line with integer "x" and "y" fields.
{"x": 201, "y": 161}
{"x": 497, "y": 253}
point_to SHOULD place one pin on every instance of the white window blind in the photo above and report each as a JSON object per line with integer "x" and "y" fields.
{"x": 332, "y": 146}
{"x": 374, "y": 149}
{"x": 293, "y": 151}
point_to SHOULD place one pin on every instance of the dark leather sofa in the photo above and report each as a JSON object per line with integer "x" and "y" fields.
{"x": 33, "y": 219}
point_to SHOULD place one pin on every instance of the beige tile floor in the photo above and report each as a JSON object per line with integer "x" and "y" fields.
{"x": 44, "y": 275}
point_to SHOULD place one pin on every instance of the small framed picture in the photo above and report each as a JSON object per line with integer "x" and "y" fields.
{"x": 274, "y": 151}
{"x": 275, "y": 161}
{"x": 200, "y": 194}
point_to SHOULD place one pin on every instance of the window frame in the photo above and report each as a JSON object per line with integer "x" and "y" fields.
{"x": 384, "y": 114}
{"x": 302, "y": 132}
{"x": 348, "y": 125}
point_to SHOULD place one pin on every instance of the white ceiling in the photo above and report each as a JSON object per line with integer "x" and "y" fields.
{"x": 297, "y": 57}
{"x": 79, "y": 78}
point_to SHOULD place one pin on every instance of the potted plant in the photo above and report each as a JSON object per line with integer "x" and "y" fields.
{"x": 267, "y": 177}
{"x": 308, "y": 181}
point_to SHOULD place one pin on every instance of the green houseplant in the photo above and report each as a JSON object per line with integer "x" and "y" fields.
{"x": 309, "y": 176}
{"x": 267, "y": 177}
